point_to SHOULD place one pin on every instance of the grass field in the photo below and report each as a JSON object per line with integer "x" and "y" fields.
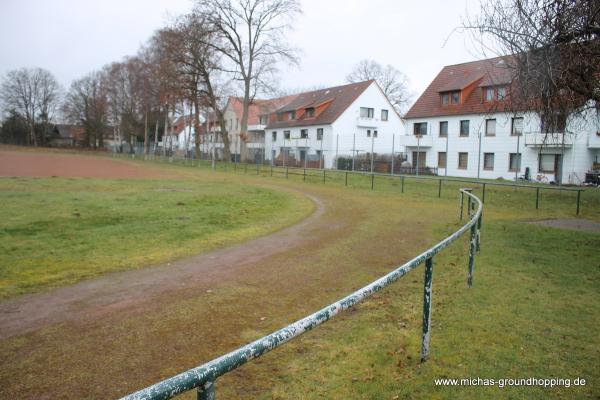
{"x": 58, "y": 231}
{"x": 533, "y": 310}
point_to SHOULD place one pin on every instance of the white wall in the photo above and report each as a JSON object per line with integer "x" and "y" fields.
{"x": 577, "y": 158}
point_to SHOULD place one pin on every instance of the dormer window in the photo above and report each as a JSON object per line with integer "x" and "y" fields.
{"x": 450, "y": 97}
{"x": 310, "y": 112}
{"x": 501, "y": 93}
{"x": 489, "y": 93}
{"x": 262, "y": 120}
{"x": 492, "y": 93}
{"x": 292, "y": 115}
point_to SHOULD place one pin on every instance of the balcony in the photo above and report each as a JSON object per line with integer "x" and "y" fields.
{"x": 538, "y": 139}
{"x": 259, "y": 127}
{"x": 365, "y": 122}
{"x": 594, "y": 140}
{"x": 414, "y": 141}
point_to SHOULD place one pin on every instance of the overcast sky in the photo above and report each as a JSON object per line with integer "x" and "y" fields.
{"x": 73, "y": 37}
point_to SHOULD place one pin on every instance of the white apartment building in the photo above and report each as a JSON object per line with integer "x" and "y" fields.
{"x": 321, "y": 125}
{"x": 459, "y": 125}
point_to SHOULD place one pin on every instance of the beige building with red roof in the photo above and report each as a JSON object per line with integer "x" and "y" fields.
{"x": 463, "y": 125}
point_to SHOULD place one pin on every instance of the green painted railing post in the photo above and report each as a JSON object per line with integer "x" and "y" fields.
{"x": 372, "y": 181}
{"x": 346, "y": 178}
{"x": 483, "y": 194}
{"x": 479, "y": 232}
{"x": 578, "y": 199}
{"x": 402, "y": 185}
{"x": 286, "y": 172}
{"x": 462, "y": 201}
{"x": 323, "y": 175}
{"x": 426, "y": 308}
{"x": 440, "y": 189}
{"x": 207, "y": 392}
{"x": 537, "y": 198}
{"x": 472, "y": 241}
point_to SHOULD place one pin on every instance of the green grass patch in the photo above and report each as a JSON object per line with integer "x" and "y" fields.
{"x": 58, "y": 231}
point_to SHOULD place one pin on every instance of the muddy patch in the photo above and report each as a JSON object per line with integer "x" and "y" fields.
{"x": 571, "y": 224}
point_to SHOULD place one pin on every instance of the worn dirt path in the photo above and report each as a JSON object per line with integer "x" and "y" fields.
{"x": 122, "y": 290}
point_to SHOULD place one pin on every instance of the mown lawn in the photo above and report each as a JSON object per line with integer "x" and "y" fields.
{"x": 58, "y": 231}
{"x": 533, "y": 311}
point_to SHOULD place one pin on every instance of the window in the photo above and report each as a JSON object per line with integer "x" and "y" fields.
{"x": 368, "y": 133}
{"x": 310, "y": 112}
{"x": 374, "y": 134}
{"x": 420, "y": 128}
{"x": 384, "y": 115}
{"x": 262, "y": 120}
{"x": 517, "y": 126}
{"x": 319, "y": 133}
{"x": 501, "y": 93}
{"x": 464, "y": 128}
{"x": 274, "y": 134}
{"x": 292, "y": 115}
{"x": 490, "y": 127}
{"x": 443, "y": 128}
{"x": 547, "y": 163}
{"x": 463, "y": 160}
{"x": 367, "y": 112}
{"x": 514, "y": 162}
{"x": 489, "y": 94}
{"x": 553, "y": 123}
{"x": 442, "y": 159}
{"x": 445, "y": 99}
{"x": 488, "y": 161}
{"x": 454, "y": 97}
{"x": 419, "y": 159}
{"x": 303, "y": 133}
{"x": 286, "y": 134}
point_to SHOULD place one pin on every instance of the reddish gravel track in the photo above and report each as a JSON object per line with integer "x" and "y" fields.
{"x": 38, "y": 164}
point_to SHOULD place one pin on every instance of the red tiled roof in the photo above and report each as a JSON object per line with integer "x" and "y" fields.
{"x": 258, "y": 107}
{"x": 328, "y": 103}
{"x": 469, "y": 78}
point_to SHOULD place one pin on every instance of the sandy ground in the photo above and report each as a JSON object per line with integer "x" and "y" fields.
{"x": 572, "y": 224}
{"x": 38, "y": 164}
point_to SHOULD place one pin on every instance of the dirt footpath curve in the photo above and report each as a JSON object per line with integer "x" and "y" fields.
{"x": 122, "y": 290}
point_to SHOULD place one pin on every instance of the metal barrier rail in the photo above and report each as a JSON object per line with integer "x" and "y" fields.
{"x": 204, "y": 376}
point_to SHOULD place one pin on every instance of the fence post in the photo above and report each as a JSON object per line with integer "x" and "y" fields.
{"x": 271, "y": 170}
{"x": 323, "y": 175}
{"x": 245, "y": 168}
{"x": 537, "y": 198}
{"x": 471, "y": 256}
{"x": 426, "y": 308}
{"x": 483, "y": 194}
{"x": 440, "y": 189}
{"x": 286, "y": 172}
{"x": 207, "y": 392}
{"x": 462, "y": 201}
{"x": 304, "y": 176}
{"x": 402, "y": 184}
{"x": 578, "y": 199}
{"x": 479, "y": 232}
{"x": 257, "y": 169}
{"x": 346, "y": 178}
{"x": 372, "y": 181}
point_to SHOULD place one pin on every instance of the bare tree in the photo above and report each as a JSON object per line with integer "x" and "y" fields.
{"x": 86, "y": 103}
{"x": 393, "y": 82}
{"x": 32, "y": 93}
{"x": 251, "y": 39}
{"x": 553, "y": 49}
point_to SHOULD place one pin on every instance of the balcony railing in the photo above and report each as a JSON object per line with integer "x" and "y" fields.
{"x": 416, "y": 141}
{"x": 540, "y": 139}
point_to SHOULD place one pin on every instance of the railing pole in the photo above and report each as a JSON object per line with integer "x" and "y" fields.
{"x": 402, "y": 185}
{"x": 479, "y": 232}
{"x": 271, "y": 170}
{"x": 462, "y": 201}
{"x": 440, "y": 189}
{"x": 286, "y": 172}
{"x": 304, "y": 176}
{"x": 469, "y": 206}
{"x": 578, "y": 199}
{"x": 426, "y": 308}
{"x": 245, "y": 168}
{"x": 537, "y": 198}
{"x": 323, "y": 175}
{"x": 483, "y": 194}
{"x": 207, "y": 392}
{"x": 471, "y": 256}
{"x": 372, "y": 181}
